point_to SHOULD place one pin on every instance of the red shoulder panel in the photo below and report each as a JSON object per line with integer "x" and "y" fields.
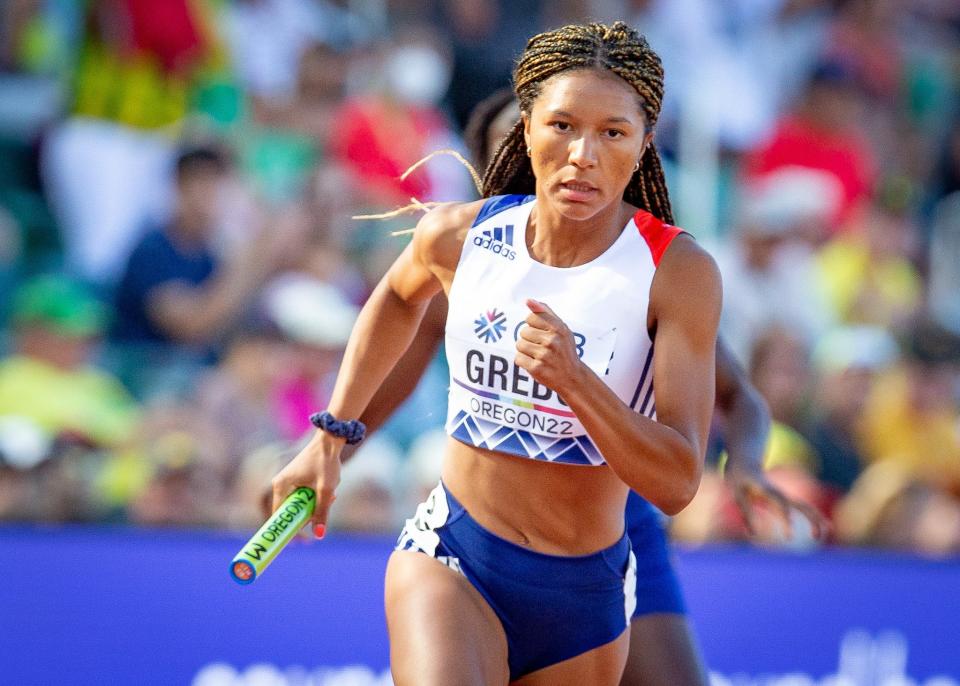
{"x": 657, "y": 234}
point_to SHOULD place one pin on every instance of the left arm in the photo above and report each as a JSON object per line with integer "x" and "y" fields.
{"x": 746, "y": 427}
{"x": 745, "y": 413}
{"x": 662, "y": 460}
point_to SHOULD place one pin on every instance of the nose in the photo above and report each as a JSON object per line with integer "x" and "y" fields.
{"x": 583, "y": 152}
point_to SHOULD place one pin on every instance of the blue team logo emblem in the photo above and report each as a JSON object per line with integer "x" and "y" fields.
{"x": 490, "y": 326}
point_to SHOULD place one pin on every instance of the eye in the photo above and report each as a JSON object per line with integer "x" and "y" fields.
{"x": 561, "y": 126}
{"x": 615, "y": 133}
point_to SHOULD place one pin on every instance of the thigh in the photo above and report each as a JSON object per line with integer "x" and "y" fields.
{"x": 663, "y": 652}
{"x": 442, "y": 631}
{"x": 601, "y": 666}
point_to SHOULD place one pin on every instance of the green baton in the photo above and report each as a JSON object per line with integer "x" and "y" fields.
{"x": 267, "y": 543}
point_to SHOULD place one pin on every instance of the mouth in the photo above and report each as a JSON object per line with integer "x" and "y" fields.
{"x": 578, "y": 186}
{"x": 578, "y": 191}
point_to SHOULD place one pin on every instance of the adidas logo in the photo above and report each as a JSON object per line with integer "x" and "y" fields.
{"x": 498, "y": 241}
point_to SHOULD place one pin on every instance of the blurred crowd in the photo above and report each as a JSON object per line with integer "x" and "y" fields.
{"x": 177, "y": 185}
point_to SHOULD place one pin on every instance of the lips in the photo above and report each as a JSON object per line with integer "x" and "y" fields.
{"x": 578, "y": 191}
{"x": 579, "y": 186}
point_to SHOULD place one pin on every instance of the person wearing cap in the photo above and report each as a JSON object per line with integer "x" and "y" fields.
{"x": 49, "y": 379}
{"x": 770, "y": 273}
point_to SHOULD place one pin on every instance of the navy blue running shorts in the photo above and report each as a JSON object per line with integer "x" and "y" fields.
{"x": 551, "y": 607}
{"x": 657, "y": 587}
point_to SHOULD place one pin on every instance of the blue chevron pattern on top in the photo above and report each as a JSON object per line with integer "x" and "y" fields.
{"x": 492, "y": 436}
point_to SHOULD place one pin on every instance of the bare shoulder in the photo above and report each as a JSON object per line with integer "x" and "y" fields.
{"x": 438, "y": 238}
{"x": 685, "y": 261}
{"x": 688, "y": 278}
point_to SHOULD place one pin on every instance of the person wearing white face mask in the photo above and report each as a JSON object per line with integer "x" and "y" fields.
{"x": 395, "y": 122}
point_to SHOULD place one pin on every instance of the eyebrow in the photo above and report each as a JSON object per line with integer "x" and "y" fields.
{"x": 609, "y": 120}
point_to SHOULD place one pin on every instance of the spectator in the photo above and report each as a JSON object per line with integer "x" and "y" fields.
{"x": 486, "y": 36}
{"x": 944, "y": 261}
{"x": 868, "y": 276}
{"x": 780, "y": 370}
{"x": 60, "y": 416}
{"x": 769, "y": 273}
{"x": 268, "y": 38}
{"x": 888, "y": 507}
{"x": 822, "y": 133}
{"x": 104, "y": 165}
{"x": 177, "y": 298}
{"x": 239, "y": 396}
{"x": 946, "y": 179}
{"x": 49, "y": 380}
{"x": 847, "y": 362}
{"x": 415, "y": 76}
{"x": 911, "y": 416}
{"x": 317, "y": 320}
{"x": 864, "y": 36}
{"x": 272, "y": 377}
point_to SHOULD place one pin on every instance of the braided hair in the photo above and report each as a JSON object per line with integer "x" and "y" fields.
{"x": 477, "y": 130}
{"x": 618, "y": 48}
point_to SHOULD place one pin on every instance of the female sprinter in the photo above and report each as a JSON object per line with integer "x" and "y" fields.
{"x": 663, "y": 650}
{"x": 517, "y": 568}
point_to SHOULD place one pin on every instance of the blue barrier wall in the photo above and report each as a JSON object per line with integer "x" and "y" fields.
{"x": 103, "y": 606}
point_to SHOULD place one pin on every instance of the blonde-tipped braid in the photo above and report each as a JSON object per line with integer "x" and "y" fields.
{"x": 617, "y": 48}
{"x": 415, "y": 205}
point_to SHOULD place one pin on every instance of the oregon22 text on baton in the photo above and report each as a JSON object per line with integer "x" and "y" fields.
{"x": 267, "y": 543}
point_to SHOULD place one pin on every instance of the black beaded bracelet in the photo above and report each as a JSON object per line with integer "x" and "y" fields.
{"x": 352, "y": 430}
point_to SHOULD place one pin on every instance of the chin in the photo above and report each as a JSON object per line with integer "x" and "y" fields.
{"x": 577, "y": 210}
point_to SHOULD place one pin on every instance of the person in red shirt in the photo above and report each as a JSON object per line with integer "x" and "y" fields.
{"x": 822, "y": 133}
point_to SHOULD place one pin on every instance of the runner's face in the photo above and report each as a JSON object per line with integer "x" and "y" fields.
{"x": 586, "y": 133}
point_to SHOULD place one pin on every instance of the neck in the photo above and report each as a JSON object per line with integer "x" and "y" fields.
{"x": 187, "y": 233}
{"x": 558, "y": 241}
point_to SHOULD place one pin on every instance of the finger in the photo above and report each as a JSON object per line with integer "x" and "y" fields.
{"x": 534, "y": 335}
{"x": 818, "y": 523}
{"x": 783, "y": 507}
{"x": 266, "y": 500}
{"x": 531, "y": 350}
{"x": 321, "y": 512}
{"x": 279, "y": 491}
{"x": 543, "y": 316}
{"x": 542, "y": 322}
{"x": 745, "y": 505}
{"x": 524, "y": 361}
{"x": 540, "y": 307}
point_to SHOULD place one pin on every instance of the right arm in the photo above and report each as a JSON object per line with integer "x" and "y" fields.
{"x": 408, "y": 371}
{"x": 382, "y": 333}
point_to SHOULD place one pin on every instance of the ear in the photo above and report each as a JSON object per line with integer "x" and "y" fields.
{"x": 647, "y": 140}
{"x": 525, "y": 118}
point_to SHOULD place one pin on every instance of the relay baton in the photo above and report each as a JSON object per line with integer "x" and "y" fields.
{"x": 267, "y": 543}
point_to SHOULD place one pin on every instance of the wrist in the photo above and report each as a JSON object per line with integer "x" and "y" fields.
{"x": 327, "y": 441}
{"x": 576, "y": 380}
{"x": 351, "y": 431}
{"x": 735, "y": 473}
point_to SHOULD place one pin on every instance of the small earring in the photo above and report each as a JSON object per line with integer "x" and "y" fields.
{"x": 529, "y": 153}
{"x": 636, "y": 167}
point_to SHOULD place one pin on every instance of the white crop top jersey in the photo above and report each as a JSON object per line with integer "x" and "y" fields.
{"x": 495, "y": 404}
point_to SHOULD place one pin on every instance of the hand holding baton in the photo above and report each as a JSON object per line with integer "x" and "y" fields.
{"x": 279, "y": 529}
